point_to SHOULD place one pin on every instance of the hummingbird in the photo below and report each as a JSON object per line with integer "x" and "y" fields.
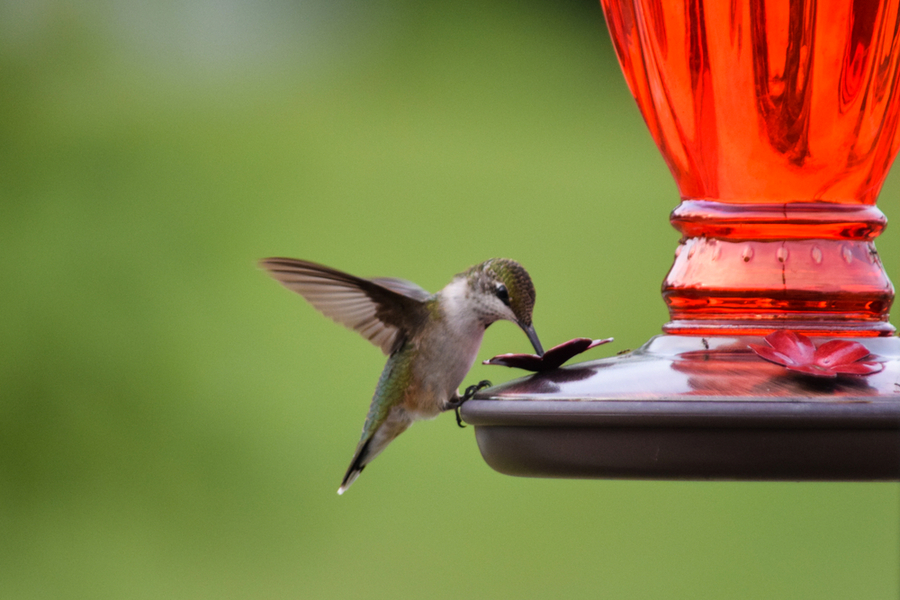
{"x": 431, "y": 340}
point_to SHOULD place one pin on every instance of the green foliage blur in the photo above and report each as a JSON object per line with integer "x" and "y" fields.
{"x": 174, "y": 424}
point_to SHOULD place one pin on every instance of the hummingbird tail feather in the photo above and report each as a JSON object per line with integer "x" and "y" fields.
{"x": 374, "y": 444}
{"x": 356, "y": 466}
{"x": 348, "y": 481}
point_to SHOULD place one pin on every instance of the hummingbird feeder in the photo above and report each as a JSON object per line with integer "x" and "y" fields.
{"x": 779, "y": 122}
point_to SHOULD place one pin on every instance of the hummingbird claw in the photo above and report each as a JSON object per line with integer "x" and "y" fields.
{"x": 474, "y": 389}
{"x": 470, "y": 391}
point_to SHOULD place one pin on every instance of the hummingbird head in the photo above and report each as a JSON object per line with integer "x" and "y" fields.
{"x": 504, "y": 290}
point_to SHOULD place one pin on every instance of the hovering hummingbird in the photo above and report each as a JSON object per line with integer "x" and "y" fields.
{"x": 431, "y": 339}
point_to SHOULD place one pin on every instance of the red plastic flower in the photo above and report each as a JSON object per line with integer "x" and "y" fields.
{"x": 797, "y": 352}
{"x": 552, "y": 359}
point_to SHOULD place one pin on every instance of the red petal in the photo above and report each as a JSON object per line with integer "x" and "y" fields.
{"x": 570, "y": 348}
{"x": 529, "y": 362}
{"x": 557, "y": 355}
{"x": 796, "y": 346}
{"x": 859, "y": 368}
{"x": 596, "y": 343}
{"x": 771, "y": 355}
{"x": 840, "y": 352}
{"x": 552, "y": 359}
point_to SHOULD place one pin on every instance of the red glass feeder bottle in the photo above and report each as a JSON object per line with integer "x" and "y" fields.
{"x": 778, "y": 120}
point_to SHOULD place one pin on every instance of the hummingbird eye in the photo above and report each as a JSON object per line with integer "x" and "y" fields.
{"x": 502, "y": 293}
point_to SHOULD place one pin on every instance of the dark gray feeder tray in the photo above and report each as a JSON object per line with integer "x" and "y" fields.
{"x": 692, "y": 408}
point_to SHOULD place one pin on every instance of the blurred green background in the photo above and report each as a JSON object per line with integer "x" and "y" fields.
{"x": 174, "y": 424}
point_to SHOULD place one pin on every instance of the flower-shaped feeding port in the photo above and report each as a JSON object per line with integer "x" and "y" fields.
{"x": 796, "y": 352}
{"x": 552, "y": 358}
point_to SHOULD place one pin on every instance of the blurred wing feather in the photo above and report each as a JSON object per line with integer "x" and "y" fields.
{"x": 382, "y": 310}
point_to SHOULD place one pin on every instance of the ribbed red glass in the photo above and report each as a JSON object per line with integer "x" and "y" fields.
{"x": 779, "y": 123}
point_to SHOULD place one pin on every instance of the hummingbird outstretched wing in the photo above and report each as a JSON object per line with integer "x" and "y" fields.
{"x": 383, "y": 311}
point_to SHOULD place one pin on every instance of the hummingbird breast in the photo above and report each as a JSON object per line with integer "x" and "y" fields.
{"x": 445, "y": 354}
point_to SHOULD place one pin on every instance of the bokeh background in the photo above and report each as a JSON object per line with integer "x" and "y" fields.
{"x": 174, "y": 424}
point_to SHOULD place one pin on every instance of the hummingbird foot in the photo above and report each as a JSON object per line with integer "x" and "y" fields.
{"x": 474, "y": 389}
{"x": 460, "y": 400}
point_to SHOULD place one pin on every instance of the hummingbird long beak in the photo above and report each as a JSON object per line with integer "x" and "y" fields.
{"x": 533, "y": 338}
